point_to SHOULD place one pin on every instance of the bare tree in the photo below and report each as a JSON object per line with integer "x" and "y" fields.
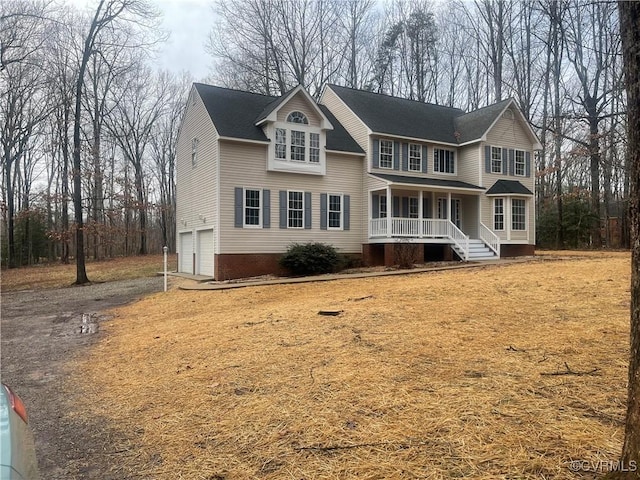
{"x": 141, "y": 103}
{"x": 630, "y": 34}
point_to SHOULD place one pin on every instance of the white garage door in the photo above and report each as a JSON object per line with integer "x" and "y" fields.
{"x": 204, "y": 252}
{"x": 185, "y": 256}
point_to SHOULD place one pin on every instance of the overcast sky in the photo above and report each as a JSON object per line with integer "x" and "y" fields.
{"x": 189, "y": 23}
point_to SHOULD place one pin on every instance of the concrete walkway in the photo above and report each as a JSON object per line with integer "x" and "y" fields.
{"x": 205, "y": 285}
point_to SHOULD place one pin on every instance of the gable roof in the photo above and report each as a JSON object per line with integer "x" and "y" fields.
{"x": 270, "y": 112}
{"x": 508, "y": 187}
{"x": 399, "y": 116}
{"x": 473, "y": 125}
{"x": 384, "y": 114}
{"x": 235, "y": 112}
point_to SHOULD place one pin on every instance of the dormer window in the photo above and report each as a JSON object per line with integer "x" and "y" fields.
{"x": 297, "y": 134}
{"x": 297, "y": 117}
{"x": 297, "y": 145}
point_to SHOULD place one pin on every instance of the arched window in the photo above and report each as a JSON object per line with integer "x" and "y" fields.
{"x": 297, "y": 117}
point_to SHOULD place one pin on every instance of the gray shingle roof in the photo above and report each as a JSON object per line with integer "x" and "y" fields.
{"x": 473, "y": 125}
{"x": 505, "y": 187}
{"x": 434, "y": 182}
{"x": 399, "y": 116}
{"x": 235, "y": 113}
{"x": 410, "y": 118}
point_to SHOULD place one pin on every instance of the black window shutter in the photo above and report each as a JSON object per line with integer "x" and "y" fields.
{"x": 266, "y": 208}
{"x": 505, "y": 159}
{"x": 396, "y": 155}
{"x": 238, "y": 207}
{"x": 512, "y": 161}
{"x": 375, "y": 207}
{"x": 307, "y": 210}
{"x": 487, "y": 158}
{"x": 376, "y": 153}
{"x": 323, "y": 211}
{"x": 405, "y": 156}
{"x": 347, "y": 212}
{"x": 425, "y": 160}
{"x": 527, "y": 167}
{"x": 283, "y": 209}
{"x": 396, "y": 206}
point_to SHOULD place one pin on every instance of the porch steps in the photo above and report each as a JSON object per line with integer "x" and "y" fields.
{"x": 478, "y": 251}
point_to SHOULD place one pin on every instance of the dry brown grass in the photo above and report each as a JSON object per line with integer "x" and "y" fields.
{"x": 58, "y": 275}
{"x": 497, "y": 372}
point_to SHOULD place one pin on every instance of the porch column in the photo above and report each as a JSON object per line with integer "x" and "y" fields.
{"x": 389, "y": 210}
{"x": 449, "y": 206}
{"x": 420, "y": 219}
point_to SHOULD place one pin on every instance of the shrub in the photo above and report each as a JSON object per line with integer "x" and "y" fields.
{"x": 311, "y": 259}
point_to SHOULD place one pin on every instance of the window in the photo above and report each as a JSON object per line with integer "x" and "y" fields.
{"x": 519, "y": 163}
{"x": 415, "y": 157}
{"x": 496, "y": 160}
{"x": 296, "y": 143}
{"x": 386, "y": 154}
{"x": 383, "y": 207}
{"x": 314, "y": 147}
{"x": 413, "y": 207}
{"x": 518, "y": 214}
{"x": 295, "y": 210}
{"x": 443, "y": 161}
{"x": 442, "y": 207}
{"x": 281, "y": 144}
{"x": 498, "y": 213}
{"x": 252, "y": 209}
{"x": 297, "y": 117}
{"x": 335, "y": 211}
{"x": 194, "y": 152}
{"x": 297, "y": 146}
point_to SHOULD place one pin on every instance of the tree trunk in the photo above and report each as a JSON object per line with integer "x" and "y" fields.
{"x": 630, "y": 34}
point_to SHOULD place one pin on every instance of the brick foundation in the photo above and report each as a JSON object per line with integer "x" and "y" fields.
{"x": 516, "y": 250}
{"x": 241, "y": 265}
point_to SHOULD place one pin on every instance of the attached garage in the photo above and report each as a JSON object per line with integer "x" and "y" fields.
{"x": 204, "y": 252}
{"x": 185, "y": 255}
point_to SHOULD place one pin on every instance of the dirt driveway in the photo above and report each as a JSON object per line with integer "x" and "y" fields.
{"x": 41, "y": 331}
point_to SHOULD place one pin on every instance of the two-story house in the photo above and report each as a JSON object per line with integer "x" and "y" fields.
{"x": 358, "y": 170}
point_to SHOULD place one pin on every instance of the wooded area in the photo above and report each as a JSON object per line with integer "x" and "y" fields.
{"x": 89, "y": 125}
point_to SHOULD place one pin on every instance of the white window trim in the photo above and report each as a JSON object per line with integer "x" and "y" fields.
{"x": 515, "y": 163}
{"x": 306, "y": 117}
{"x": 194, "y": 151}
{"x": 386, "y": 206}
{"x": 419, "y": 169}
{"x": 289, "y": 192}
{"x": 380, "y": 154}
{"x": 504, "y": 214}
{"x": 329, "y": 195}
{"x": 296, "y": 166}
{"x": 455, "y": 161}
{"x": 525, "y": 215}
{"x": 244, "y": 207}
{"x": 417, "y": 200}
{"x": 499, "y": 149}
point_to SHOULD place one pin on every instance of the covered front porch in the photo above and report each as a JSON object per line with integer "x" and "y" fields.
{"x": 420, "y": 210}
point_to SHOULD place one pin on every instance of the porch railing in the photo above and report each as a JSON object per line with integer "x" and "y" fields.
{"x": 490, "y": 239}
{"x": 419, "y": 228}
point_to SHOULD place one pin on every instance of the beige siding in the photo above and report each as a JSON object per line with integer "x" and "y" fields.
{"x": 347, "y": 118}
{"x": 509, "y": 132}
{"x": 244, "y": 165}
{"x": 468, "y": 164}
{"x": 196, "y": 187}
{"x": 299, "y": 103}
